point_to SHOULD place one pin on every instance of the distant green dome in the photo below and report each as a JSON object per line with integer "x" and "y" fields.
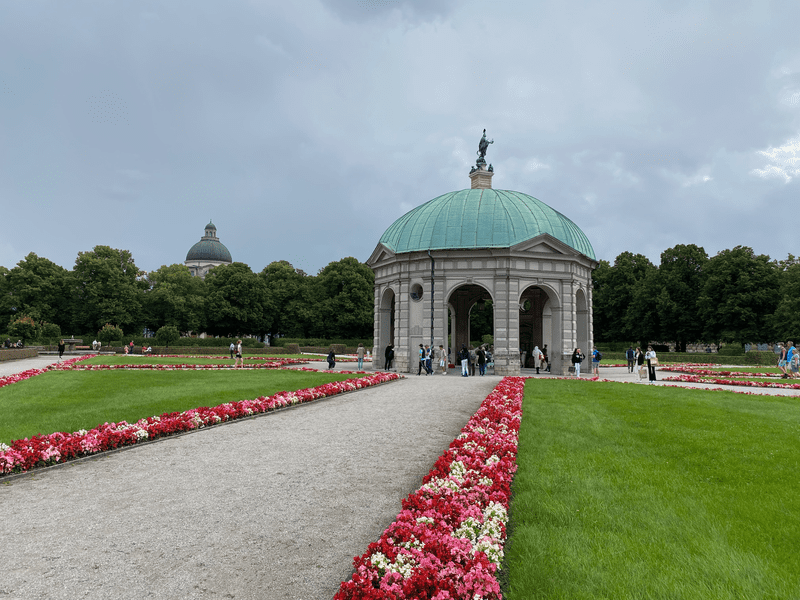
{"x": 481, "y": 218}
{"x": 209, "y": 250}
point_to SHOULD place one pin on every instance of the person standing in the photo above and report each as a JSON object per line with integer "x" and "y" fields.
{"x": 420, "y": 359}
{"x": 428, "y": 360}
{"x": 61, "y": 347}
{"x": 442, "y": 359}
{"x": 463, "y": 356}
{"x": 652, "y": 361}
{"x": 545, "y": 359}
{"x": 577, "y": 359}
{"x": 629, "y": 354}
{"x": 639, "y": 358}
{"x": 388, "y": 354}
{"x": 537, "y": 358}
{"x": 239, "y": 358}
{"x": 481, "y": 355}
{"x": 596, "y": 358}
{"x": 131, "y": 349}
{"x": 360, "y": 355}
{"x": 233, "y": 349}
{"x": 472, "y": 359}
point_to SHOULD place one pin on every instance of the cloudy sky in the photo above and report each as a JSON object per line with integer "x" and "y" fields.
{"x": 303, "y": 129}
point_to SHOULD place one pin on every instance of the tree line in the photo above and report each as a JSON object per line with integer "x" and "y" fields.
{"x": 106, "y": 287}
{"x": 737, "y": 296}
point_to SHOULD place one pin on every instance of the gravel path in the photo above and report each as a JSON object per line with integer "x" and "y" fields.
{"x": 271, "y": 507}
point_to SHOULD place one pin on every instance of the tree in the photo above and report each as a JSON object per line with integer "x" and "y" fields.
{"x": 236, "y": 301}
{"x": 343, "y": 300}
{"x": 613, "y": 289}
{"x": 49, "y": 332}
{"x": 108, "y": 288}
{"x": 175, "y": 298}
{"x": 167, "y": 335}
{"x": 288, "y": 290}
{"x": 786, "y": 319}
{"x": 22, "y": 327}
{"x": 739, "y": 296}
{"x": 38, "y": 288}
{"x": 681, "y": 277}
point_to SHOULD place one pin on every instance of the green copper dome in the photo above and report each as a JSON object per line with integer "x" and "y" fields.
{"x": 209, "y": 250}
{"x": 481, "y": 218}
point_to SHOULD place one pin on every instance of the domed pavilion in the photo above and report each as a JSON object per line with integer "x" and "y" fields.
{"x": 445, "y": 258}
{"x": 207, "y": 253}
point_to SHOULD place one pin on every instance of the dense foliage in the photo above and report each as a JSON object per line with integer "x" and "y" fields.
{"x": 735, "y": 297}
{"x": 39, "y": 299}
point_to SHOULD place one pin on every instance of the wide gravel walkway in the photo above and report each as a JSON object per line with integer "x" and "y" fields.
{"x": 270, "y": 507}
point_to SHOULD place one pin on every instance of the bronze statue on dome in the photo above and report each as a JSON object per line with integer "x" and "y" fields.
{"x": 483, "y": 146}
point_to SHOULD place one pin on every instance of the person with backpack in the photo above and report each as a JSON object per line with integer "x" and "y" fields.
{"x": 631, "y": 356}
{"x": 596, "y": 358}
{"x": 331, "y": 359}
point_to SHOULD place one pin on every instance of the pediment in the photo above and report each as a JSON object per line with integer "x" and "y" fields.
{"x": 544, "y": 244}
{"x": 380, "y": 254}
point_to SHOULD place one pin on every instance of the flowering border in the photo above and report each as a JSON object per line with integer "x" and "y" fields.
{"x": 45, "y": 450}
{"x": 274, "y": 364}
{"x": 447, "y": 542}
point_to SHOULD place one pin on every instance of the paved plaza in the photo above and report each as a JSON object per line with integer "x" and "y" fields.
{"x": 271, "y": 507}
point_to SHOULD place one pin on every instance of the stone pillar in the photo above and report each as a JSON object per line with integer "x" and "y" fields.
{"x": 506, "y": 326}
{"x": 481, "y": 178}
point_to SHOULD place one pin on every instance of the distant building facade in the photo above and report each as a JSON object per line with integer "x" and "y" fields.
{"x": 208, "y": 253}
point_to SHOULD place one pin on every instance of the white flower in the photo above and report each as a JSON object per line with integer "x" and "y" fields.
{"x": 3, "y": 447}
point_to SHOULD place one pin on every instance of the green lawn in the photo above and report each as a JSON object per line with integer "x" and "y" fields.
{"x": 630, "y": 492}
{"x": 72, "y": 400}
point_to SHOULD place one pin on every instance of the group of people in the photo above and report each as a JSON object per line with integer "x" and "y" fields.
{"x": 470, "y": 357}
{"x": 789, "y": 361}
{"x": 540, "y": 359}
{"x": 9, "y": 344}
{"x": 427, "y": 356}
{"x": 578, "y": 357}
{"x": 637, "y": 358}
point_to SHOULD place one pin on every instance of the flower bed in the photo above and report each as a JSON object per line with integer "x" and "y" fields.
{"x": 44, "y": 450}
{"x": 447, "y": 542}
{"x": 273, "y": 364}
{"x": 737, "y": 382}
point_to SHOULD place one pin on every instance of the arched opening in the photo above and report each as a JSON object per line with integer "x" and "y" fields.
{"x": 469, "y": 305}
{"x": 386, "y": 318}
{"x": 540, "y": 325}
{"x": 582, "y": 322}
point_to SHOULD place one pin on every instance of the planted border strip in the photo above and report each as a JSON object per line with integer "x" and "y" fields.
{"x": 66, "y": 365}
{"x": 447, "y": 541}
{"x": 45, "y": 450}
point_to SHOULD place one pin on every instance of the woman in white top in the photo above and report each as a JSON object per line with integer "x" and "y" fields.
{"x": 650, "y": 356}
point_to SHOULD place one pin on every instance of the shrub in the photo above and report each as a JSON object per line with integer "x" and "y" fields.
{"x": 731, "y": 350}
{"x": 109, "y": 333}
{"x": 49, "y": 332}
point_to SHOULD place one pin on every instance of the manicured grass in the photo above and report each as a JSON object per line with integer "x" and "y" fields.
{"x": 172, "y": 360}
{"x": 72, "y": 400}
{"x": 631, "y": 492}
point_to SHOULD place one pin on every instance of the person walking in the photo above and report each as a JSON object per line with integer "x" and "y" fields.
{"x": 233, "y": 349}
{"x": 331, "y": 359}
{"x": 442, "y": 359}
{"x": 652, "y": 361}
{"x": 537, "y": 358}
{"x": 61, "y": 347}
{"x": 639, "y": 358}
{"x": 577, "y": 359}
{"x": 791, "y": 359}
{"x": 388, "y": 355}
{"x": 131, "y": 350}
{"x": 420, "y": 359}
{"x": 545, "y": 360}
{"x": 360, "y": 355}
{"x": 782, "y": 361}
{"x": 472, "y": 359}
{"x": 629, "y": 354}
{"x": 239, "y": 358}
